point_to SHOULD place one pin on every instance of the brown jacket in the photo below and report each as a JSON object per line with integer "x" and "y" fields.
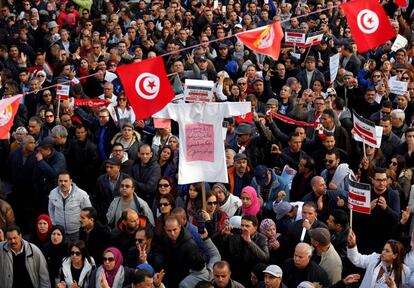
{"x": 6, "y": 215}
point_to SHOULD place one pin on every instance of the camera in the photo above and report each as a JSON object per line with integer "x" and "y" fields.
{"x": 236, "y": 231}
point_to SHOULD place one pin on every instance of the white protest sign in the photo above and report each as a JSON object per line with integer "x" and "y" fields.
{"x": 397, "y": 87}
{"x": 400, "y": 42}
{"x": 314, "y": 38}
{"x": 333, "y": 66}
{"x": 359, "y": 197}
{"x": 365, "y": 129}
{"x": 296, "y": 37}
{"x": 62, "y": 92}
{"x": 198, "y": 90}
{"x": 378, "y": 132}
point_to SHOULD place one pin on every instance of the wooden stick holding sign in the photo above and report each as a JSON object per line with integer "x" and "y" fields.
{"x": 203, "y": 195}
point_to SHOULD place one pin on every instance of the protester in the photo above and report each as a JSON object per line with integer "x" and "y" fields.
{"x": 88, "y": 77}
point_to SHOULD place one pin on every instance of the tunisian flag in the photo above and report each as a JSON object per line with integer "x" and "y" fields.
{"x": 8, "y": 109}
{"x": 369, "y": 23}
{"x": 401, "y": 3}
{"x": 146, "y": 85}
{"x": 264, "y": 40}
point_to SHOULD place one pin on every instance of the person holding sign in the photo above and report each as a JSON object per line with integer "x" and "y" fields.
{"x": 376, "y": 228}
{"x": 382, "y": 270}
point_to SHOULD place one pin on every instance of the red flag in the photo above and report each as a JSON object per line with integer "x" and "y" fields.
{"x": 146, "y": 85}
{"x": 369, "y": 23}
{"x": 8, "y": 109}
{"x": 401, "y": 3}
{"x": 264, "y": 40}
{"x": 244, "y": 118}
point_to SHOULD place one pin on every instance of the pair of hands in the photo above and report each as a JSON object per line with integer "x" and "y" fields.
{"x": 381, "y": 202}
{"x": 62, "y": 284}
{"x": 104, "y": 283}
{"x": 245, "y": 233}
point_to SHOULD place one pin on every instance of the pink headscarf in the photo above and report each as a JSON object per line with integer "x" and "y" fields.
{"x": 110, "y": 275}
{"x": 255, "y": 206}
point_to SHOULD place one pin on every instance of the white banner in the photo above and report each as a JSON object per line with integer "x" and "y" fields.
{"x": 333, "y": 66}
{"x": 198, "y": 90}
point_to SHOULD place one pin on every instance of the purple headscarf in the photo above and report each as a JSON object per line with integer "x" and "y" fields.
{"x": 110, "y": 275}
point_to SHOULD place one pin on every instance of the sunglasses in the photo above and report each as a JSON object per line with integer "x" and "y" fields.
{"x": 77, "y": 253}
{"x": 121, "y": 99}
{"x": 163, "y": 204}
{"x": 109, "y": 259}
{"x": 394, "y": 163}
{"x": 212, "y": 203}
{"x": 330, "y": 161}
{"x": 125, "y": 186}
{"x": 49, "y": 116}
{"x": 163, "y": 185}
{"x": 242, "y": 83}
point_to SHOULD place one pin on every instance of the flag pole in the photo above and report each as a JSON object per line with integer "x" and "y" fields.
{"x": 364, "y": 149}
{"x": 58, "y": 109}
{"x": 350, "y": 218}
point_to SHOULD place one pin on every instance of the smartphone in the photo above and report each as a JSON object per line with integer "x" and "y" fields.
{"x": 236, "y": 231}
{"x": 201, "y": 227}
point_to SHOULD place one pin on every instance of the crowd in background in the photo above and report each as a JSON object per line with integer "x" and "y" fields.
{"x": 89, "y": 196}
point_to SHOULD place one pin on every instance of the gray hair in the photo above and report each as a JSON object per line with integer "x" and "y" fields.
{"x": 60, "y": 131}
{"x": 398, "y": 113}
{"x": 305, "y": 247}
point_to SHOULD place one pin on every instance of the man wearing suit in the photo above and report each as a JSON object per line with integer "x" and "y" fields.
{"x": 349, "y": 60}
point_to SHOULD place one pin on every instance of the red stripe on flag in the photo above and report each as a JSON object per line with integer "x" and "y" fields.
{"x": 365, "y": 137}
{"x": 365, "y": 210}
{"x": 363, "y": 130}
{"x": 356, "y": 197}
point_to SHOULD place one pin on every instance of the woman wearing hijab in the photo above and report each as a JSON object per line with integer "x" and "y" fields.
{"x": 250, "y": 201}
{"x": 228, "y": 202}
{"x": 111, "y": 273}
{"x": 42, "y": 229}
{"x": 55, "y": 250}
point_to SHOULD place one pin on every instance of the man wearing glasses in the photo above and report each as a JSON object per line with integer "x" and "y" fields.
{"x": 375, "y": 229}
{"x": 127, "y": 199}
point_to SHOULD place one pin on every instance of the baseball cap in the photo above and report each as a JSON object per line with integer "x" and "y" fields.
{"x": 243, "y": 128}
{"x": 260, "y": 173}
{"x": 223, "y": 46}
{"x": 310, "y": 58}
{"x": 281, "y": 209}
{"x": 274, "y": 270}
{"x": 239, "y": 156}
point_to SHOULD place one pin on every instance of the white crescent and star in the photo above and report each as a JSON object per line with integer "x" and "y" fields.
{"x": 147, "y": 85}
{"x": 367, "y": 21}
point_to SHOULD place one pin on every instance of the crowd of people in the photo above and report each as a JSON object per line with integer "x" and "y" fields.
{"x": 89, "y": 197}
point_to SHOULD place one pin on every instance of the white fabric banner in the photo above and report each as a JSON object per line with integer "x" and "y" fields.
{"x": 202, "y": 156}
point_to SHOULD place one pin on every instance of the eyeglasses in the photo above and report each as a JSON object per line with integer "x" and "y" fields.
{"x": 49, "y": 116}
{"x": 125, "y": 186}
{"x": 242, "y": 83}
{"x": 163, "y": 204}
{"x": 212, "y": 203}
{"x": 109, "y": 259}
{"x": 163, "y": 185}
{"x": 77, "y": 253}
{"x": 381, "y": 180}
{"x": 330, "y": 161}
